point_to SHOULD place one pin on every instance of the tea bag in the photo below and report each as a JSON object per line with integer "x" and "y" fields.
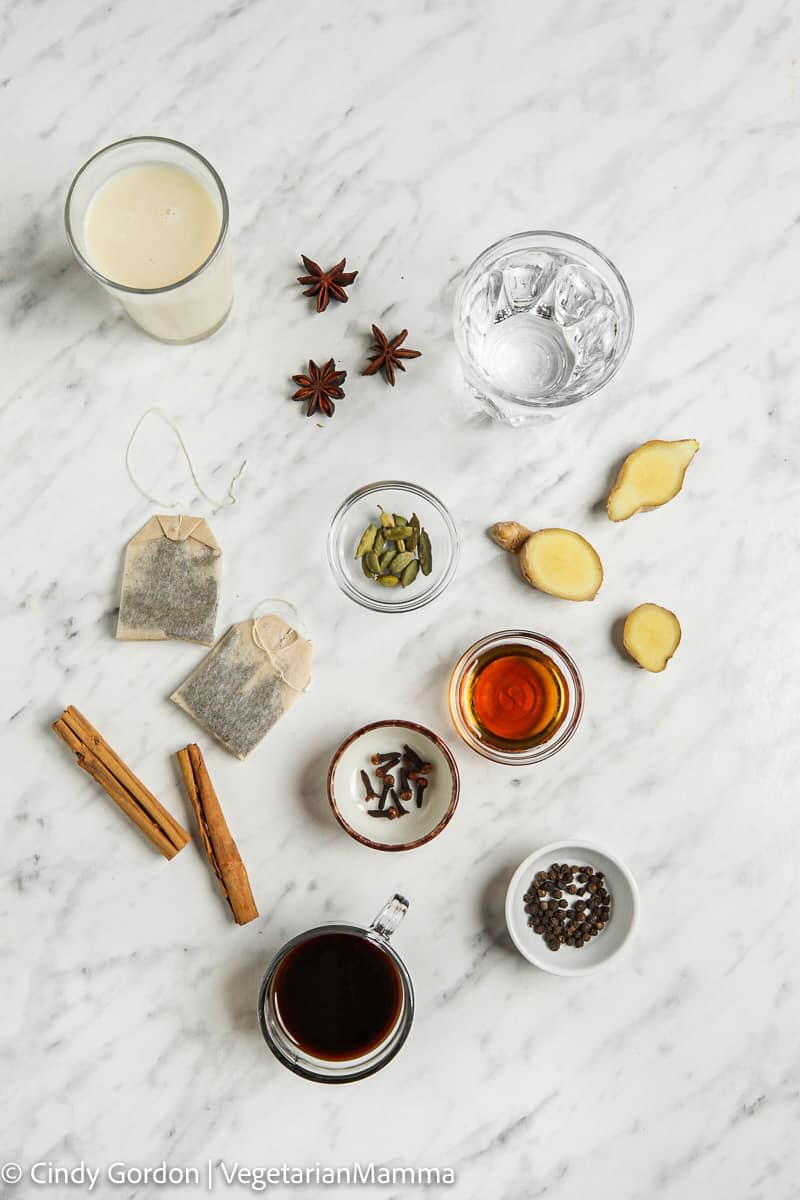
{"x": 170, "y": 582}
{"x": 253, "y": 675}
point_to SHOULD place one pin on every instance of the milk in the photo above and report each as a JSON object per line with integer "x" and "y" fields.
{"x": 152, "y": 225}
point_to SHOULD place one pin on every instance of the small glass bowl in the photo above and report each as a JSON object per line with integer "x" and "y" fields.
{"x": 508, "y": 639}
{"x": 363, "y": 509}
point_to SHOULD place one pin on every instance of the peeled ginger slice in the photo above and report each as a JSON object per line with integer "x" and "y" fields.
{"x": 651, "y": 636}
{"x": 562, "y": 563}
{"x": 650, "y": 476}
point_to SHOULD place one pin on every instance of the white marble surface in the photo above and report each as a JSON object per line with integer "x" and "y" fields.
{"x": 408, "y": 138}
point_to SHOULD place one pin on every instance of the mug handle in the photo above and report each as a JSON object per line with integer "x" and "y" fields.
{"x": 390, "y": 916}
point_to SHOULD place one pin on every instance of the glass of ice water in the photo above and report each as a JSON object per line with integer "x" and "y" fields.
{"x": 542, "y": 320}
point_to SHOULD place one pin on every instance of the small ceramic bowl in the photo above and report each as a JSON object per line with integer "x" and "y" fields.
{"x": 601, "y": 949}
{"x": 346, "y": 790}
{"x": 363, "y": 509}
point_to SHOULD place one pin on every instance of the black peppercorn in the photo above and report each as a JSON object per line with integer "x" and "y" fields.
{"x": 553, "y": 919}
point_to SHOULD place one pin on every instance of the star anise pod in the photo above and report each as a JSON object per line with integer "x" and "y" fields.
{"x": 389, "y": 354}
{"x": 326, "y": 285}
{"x": 320, "y": 387}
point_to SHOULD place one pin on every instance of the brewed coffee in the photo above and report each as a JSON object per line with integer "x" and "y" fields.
{"x": 338, "y": 996}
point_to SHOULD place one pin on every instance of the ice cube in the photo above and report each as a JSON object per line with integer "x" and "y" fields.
{"x": 577, "y": 290}
{"x": 594, "y": 338}
{"x": 497, "y": 301}
{"x": 526, "y": 282}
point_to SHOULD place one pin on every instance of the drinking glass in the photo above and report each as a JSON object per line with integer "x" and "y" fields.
{"x": 185, "y": 311}
{"x": 542, "y": 320}
{"x": 286, "y": 1049}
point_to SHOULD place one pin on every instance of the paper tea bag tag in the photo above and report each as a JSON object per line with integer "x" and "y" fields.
{"x": 253, "y": 675}
{"x": 170, "y": 582}
{"x": 178, "y": 529}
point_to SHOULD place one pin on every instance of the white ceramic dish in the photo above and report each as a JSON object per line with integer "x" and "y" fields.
{"x": 601, "y": 949}
{"x": 346, "y": 791}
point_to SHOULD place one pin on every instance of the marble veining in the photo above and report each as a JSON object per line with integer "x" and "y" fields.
{"x": 408, "y": 138}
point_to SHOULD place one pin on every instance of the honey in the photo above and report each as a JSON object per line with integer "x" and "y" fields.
{"x": 514, "y": 697}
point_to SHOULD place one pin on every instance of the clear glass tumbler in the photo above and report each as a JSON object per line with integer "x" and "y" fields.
{"x": 300, "y": 1061}
{"x": 542, "y": 320}
{"x": 190, "y": 309}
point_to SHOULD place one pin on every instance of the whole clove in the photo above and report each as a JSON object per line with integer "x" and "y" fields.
{"x": 390, "y": 761}
{"x": 398, "y": 807}
{"x": 413, "y": 757}
{"x": 388, "y": 784}
{"x": 371, "y": 794}
{"x": 396, "y": 791}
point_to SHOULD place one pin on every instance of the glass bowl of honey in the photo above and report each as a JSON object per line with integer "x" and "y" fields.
{"x": 516, "y": 697}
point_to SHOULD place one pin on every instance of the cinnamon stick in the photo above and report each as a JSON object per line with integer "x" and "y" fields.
{"x": 216, "y": 837}
{"x": 95, "y": 756}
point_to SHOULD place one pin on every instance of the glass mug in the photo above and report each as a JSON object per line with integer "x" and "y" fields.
{"x": 183, "y": 310}
{"x": 337, "y": 1002}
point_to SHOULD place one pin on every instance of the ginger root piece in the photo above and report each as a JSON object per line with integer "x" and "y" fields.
{"x": 557, "y": 561}
{"x": 509, "y": 535}
{"x": 561, "y": 563}
{"x": 651, "y": 636}
{"x": 649, "y": 477}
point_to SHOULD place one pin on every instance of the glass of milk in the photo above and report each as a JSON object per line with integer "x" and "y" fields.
{"x": 148, "y": 219}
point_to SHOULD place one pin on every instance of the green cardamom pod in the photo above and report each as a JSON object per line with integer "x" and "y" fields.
{"x": 371, "y": 559}
{"x": 413, "y": 541}
{"x": 386, "y": 519}
{"x": 410, "y": 573}
{"x": 387, "y": 557}
{"x": 365, "y": 568}
{"x": 388, "y": 580}
{"x": 395, "y": 532}
{"x": 367, "y": 540}
{"x": 401, "y": 561}
{"x": 380, "y": 542}
{"x": 398, "y": 520}
{"x": 400, "y": 543}
{"x": 425, "y": 553}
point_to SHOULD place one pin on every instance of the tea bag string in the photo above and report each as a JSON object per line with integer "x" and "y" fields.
{"x": 259, "y": 641}
{"x": 230, "y": 497}
{"x": 296, "y": 615}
